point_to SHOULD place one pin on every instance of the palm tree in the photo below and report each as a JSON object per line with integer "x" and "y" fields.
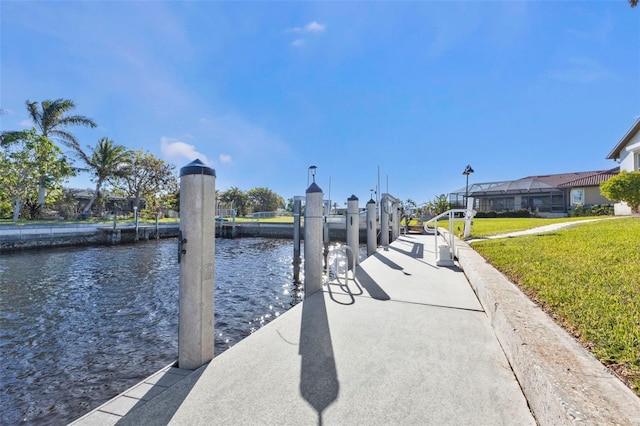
{"x": 106, "y": 160}
{"x": 51, "y": 118}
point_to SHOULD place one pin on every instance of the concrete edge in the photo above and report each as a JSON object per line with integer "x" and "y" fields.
{"x": 562, "y": 381}
{"x": 133, "y": 398}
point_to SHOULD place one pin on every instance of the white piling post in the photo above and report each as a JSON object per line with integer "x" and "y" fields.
{"x": 395, "y": 220}
{"x": 326, "y": 238}
{"x": 372, "y": 228}
{"x": 313, "y": 227}
{"x": 196, "y": 257}
{"x": 297, "y": 203}
{"x": 384, "y": 221}
{"x": 468, "y": 217}
{"x": 353, "y": 230}
{"x": 135, "y": 220}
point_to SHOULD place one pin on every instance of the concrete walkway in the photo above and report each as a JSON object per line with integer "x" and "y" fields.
{"x": 543, "y": 229}
{"x": 405, "y": 343}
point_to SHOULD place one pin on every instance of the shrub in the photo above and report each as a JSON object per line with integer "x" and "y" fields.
{"x": 624, "y": 187}
{"x": 580, "y": 211}
{"x": 504, "y": 214}
{"x": 595, "y": 210}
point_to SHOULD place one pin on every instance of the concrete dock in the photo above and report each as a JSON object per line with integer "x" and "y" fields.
{"x": 406, "y": 342}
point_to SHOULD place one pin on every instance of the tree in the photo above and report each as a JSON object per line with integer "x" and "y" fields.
{"x": 438, "y": 205}
{"x": 264, "y": 200}
{"x": 51, "y": 117}
{"x": 145, "y": 176}
{"x": 237, "y": 197}
{"x": 28, "y": 161}
{"x": 106, "y": 161}
{"x": 633, "y": 3}
{"x": 625, "y": 186}
{"x": 290, "y": 203}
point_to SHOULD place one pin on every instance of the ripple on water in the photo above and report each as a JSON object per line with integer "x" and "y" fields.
{"x": 78, "y": 326}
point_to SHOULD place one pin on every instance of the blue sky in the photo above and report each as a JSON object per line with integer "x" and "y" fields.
{"x": 408, "y": 91}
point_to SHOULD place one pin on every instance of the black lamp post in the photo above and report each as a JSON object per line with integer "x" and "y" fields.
{"x": 467, "y": 171}
{"x": 312, "y": 170}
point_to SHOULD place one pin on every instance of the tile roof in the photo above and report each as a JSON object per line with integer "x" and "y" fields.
{"x": 592, "y": 178}
{"x": 543, "y": 183}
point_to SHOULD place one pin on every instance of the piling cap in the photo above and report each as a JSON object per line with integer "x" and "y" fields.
{"x": 352, "y": 198}
{"x": 197, "y": 167}
{"x": 313, "y": 188}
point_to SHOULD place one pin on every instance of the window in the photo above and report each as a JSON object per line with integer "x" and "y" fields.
{"x": 636, "y": 155}
{"x": 577, "y": 196}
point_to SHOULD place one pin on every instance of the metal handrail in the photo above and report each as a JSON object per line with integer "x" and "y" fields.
{"x": 469, "y": 213}
{"x": 348, "y": 268}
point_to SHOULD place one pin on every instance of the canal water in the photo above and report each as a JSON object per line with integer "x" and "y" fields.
{"x": 80, "y": 325}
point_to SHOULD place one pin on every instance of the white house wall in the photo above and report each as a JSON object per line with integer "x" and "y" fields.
{"x": 627, "y": 161}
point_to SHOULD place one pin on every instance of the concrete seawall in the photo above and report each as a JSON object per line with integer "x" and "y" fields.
{"x": 16, "y": 238}
{"x": 337, "y": 231}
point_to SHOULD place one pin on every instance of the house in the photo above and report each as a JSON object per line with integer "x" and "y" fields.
{"x": 123, "y": 205}
{"x": 546, "y": 195}
{"x": 627, "y": 153}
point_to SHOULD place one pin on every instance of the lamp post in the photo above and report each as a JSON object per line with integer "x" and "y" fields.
{"x": 467, "y": 171}
{"x": 312, "y": 170}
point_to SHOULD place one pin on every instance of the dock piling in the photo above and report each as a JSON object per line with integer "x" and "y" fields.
{"x": 197, "y": 246}
{"x": 372, "y": 228}
{"x": 313, "y": 238}
{"x": 297, "y": 207}
{"x": 353, "y": 231}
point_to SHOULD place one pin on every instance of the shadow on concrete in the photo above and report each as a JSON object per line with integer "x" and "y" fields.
{"x": 345, "y": 290}
{"x": 319, "y": 384}
{"x": 369, "y": 284}
{"x": 391, "y": 264}
{"x": 162, "y": 407}
{"x": 417, "y": 251}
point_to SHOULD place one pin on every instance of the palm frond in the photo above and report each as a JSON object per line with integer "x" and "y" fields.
{"x": 78, "y": 120}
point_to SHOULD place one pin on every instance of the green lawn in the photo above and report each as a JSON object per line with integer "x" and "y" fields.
{"x": 485, "y": 227}
{"x": 588, "y": 278}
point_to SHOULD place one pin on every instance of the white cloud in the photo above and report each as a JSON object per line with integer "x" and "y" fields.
{"x": 26, "y": 123}
{"x": 298, "y": 42}
{"x": 314, "y": 27}
{"x": 175, "y": 150}
{"x": 311, "y": 27}
{"x": 225, "y": 158}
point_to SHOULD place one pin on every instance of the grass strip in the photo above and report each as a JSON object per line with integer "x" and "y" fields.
{"x": 588, "y": 279}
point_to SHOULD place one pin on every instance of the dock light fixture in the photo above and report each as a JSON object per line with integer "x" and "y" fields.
{"x": 467, "y": 171}
{"x": 312, "y": 170}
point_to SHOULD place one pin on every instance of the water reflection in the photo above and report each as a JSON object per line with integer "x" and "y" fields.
{"x": 78, "y": 326}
